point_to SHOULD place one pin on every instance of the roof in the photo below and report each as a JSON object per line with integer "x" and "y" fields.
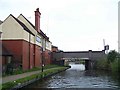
{"x": 28, "y": 21}
{"x": 22, "y": 24}
{"x": 84, "y": 51}
{"x": 54, "y": 46}
{"x": 41, "y": 32}
{"x": 44, "y": 35}
{"x": 5, "y": 52}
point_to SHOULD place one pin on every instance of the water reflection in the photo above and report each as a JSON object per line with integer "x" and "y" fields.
{"x": 77, "y": 77}
{"x": 79, "y": 67}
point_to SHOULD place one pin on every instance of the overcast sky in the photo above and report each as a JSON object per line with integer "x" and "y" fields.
{"x": 72, "y": 25}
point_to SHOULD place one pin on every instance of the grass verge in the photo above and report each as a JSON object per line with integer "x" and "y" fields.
{"x": 20, "y": 71}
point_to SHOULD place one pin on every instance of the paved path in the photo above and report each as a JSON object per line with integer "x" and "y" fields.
{"x": 18, "y": 76}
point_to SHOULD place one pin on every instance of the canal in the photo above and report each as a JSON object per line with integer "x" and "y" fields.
{"x": 77, "y": 77}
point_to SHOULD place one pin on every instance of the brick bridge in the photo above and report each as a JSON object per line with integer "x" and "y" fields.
{"x": 89, "y": 56}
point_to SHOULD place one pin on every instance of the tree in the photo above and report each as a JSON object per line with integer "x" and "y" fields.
{"x": 112, "y": 55}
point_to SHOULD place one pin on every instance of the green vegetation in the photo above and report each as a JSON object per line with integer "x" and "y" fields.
{"x": 82, "y": 61}
{"x": 112, "y": 62}
{"x": 0, "y": 86}
{"x": 102, "y": 64}
{"x": 50, "y": 66}
{"x": 112, "y": 56}
{"x": 20, "y": 71}
{"x": 115, "y": 66}
{"x": 41, "y": 75}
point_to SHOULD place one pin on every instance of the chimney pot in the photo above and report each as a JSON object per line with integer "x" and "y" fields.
{"x": 37, "y": 9}
{"x": 37, "y": 20}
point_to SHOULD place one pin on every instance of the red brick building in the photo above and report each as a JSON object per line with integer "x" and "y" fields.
{"x": 26, "y": 42}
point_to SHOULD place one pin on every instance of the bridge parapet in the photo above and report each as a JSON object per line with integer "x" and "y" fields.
{"x": 91, "y": 55}
{"x": 98, "y": 55}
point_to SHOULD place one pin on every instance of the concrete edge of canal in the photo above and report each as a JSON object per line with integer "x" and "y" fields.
{"x": 21, "y": 85}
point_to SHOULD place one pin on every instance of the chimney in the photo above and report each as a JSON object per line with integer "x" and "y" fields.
{"x": 37, "y": 20}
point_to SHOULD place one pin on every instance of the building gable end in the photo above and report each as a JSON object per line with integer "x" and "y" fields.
{"x": 27, "y": 23}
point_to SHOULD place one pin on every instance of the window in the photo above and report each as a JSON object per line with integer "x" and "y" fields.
{"x": 38, "y": 39}
{"x": 47, "y": 44}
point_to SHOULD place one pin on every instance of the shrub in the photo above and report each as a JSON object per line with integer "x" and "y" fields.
{"x": 103, "y": 64}
{"x": 114, "y": 66}
{"x": 112, "y": 56}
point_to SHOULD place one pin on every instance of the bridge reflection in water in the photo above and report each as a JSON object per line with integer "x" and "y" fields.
{"x": 88, "y": 64}
{"x": 77, "y": 66}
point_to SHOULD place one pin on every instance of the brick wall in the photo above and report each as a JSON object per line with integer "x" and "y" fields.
{"x": 38, "y": 56}
{"x": 15, "y": 47}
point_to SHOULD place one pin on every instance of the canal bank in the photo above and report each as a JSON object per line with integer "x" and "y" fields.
{"x": 19, "y": 83}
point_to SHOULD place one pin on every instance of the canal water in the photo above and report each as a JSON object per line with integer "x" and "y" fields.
{"x": 78, "y": 77}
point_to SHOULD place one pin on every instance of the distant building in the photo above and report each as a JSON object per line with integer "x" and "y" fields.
{"x": 26, "y": 43}
{"x": 54, "y": 49}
